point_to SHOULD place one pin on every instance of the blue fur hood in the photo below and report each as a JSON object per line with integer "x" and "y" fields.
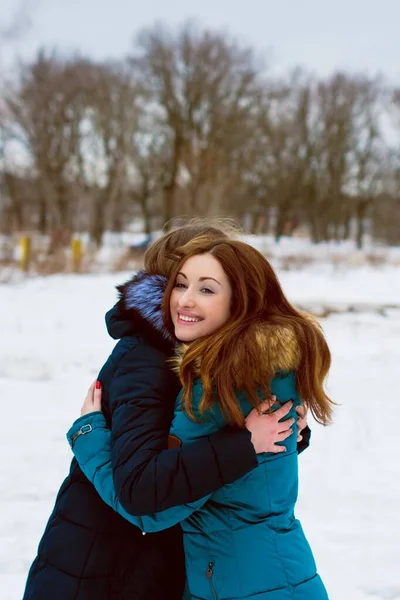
{"x": 139, "y": 308}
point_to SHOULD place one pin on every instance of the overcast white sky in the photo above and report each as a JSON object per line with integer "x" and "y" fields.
{"x": 320, "y": 35}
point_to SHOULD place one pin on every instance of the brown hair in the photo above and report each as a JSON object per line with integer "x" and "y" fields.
{"x": 230, "y": 359}
{"x": 160, "y": 258}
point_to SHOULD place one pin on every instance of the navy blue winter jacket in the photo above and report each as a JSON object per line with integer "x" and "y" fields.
{"x": 88, "y": 552}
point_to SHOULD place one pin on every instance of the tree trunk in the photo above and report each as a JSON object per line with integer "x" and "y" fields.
{"x": 42, "y": 223}
{"x": 314, "y": 229}
{"x": 97, "y": 225}
{"x": 193, "y": 193}
{"x": 336, "y": 232}
{"x": 144, "y": 203}
{"x": 361, "y": 211}
{"x": 346, "y": 228}
{"x": 63, "y": 209}
{"x": 16, "y": 212}
{"x": 117, "y": 214}
{"x": 281, "y": 222}
{"x": 170, "y": 187}
{"x": 168, "y": 204}
{"x": 253, "y": 222}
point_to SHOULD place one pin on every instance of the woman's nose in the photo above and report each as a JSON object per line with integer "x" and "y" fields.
{"x": 186, "y": 299}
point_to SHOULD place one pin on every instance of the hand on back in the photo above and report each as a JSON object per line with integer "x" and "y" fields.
{"x": 267, "y": 428}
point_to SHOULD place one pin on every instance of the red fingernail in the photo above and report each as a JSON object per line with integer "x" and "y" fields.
{"x": 98, "y": 385}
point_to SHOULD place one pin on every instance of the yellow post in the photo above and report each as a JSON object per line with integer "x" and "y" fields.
{"x": 25, "y": 245}
{"x": 76, "y": 246}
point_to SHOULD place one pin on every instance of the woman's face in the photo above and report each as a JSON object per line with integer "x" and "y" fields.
{"x": 201, "y": 298}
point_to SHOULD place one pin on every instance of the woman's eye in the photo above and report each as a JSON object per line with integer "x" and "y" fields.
{"x": 180, "y": 285}
{"x": 207, "y": 291}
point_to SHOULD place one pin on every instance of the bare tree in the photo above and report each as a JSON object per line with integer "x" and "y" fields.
{"x": 111, "y": 120}
{"x": 369, "y": 157}
{"x": 335, "y": 100}
{"x": 281, "y": 149}
{"x": 10, "y": 31}
{"x": 201, "y": 85}
{"x": 150, "y": 158}
{"x": 46, "y": 110}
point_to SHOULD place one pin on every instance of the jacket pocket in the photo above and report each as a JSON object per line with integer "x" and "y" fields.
{"x": 210, "y": 577}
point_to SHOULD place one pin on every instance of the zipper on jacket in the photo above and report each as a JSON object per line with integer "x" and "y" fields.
{"x": 209, "y": 575}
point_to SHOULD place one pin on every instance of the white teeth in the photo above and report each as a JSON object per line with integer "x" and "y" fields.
{"x": 188, "y": 319}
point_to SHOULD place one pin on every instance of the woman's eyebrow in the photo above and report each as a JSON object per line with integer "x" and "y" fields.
{"x": 205, "y": 278}
{"x": 201, "y": 278}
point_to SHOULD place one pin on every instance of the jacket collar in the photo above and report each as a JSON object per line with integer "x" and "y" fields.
{"x": 278, "y": 347}
{"x": 140, "y": 308}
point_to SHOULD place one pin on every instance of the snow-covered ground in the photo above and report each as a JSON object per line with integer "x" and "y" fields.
{"x": 53, "y": 342}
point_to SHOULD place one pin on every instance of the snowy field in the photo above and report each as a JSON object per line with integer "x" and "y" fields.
{"x": 54, "y": 341}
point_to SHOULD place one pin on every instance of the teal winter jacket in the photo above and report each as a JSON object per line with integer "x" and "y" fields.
{"x": 241, "y": 542}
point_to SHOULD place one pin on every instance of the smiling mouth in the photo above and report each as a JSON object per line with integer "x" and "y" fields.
{"x": 188, "y": 320}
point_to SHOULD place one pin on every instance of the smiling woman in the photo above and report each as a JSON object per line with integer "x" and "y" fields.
{"x": 223, "y": 334}
{"x": 201, "y": 299}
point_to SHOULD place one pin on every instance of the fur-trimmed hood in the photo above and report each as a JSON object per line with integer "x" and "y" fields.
{"x": 278, "y": 347}
{"x": 140, "y": 308}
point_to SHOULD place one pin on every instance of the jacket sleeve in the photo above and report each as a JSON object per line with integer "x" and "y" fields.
{"x": 148, "y": 477}
{"x": 93, "y": 453}
{"x": 305, "y": 442}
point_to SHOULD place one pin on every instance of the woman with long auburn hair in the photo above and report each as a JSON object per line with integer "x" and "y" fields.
{"x": 243, "y": 344}
{"x": 230, "y": 357}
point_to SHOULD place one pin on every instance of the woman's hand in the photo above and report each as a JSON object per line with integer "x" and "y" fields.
{"x": 267, "y": 428}
{"x": 93, "y": 399}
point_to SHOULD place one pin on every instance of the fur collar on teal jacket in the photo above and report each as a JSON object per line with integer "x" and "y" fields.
{"x": 243, "y": 541}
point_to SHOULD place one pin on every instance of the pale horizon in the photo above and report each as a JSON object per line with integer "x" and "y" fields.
{"x": 357, "y": 36}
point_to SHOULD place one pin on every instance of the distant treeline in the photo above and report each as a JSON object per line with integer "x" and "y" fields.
{"x": 191, "y": 123}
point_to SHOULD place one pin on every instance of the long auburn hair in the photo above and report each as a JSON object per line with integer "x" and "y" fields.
{"x": 230, "y": 359}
